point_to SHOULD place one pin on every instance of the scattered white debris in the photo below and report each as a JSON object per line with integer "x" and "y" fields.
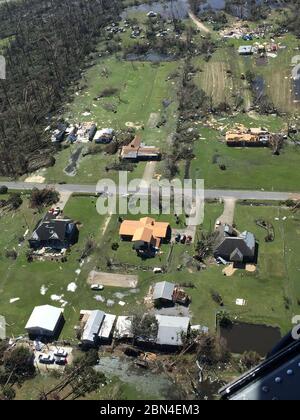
{"x": 56, "y": 298}
{"x": 110, "y": 302}
{"x": 119, "y": 295}
{"x": 43, "y": 290}
{"x": 240, "y": 302}
{"x": 121, "y": 303}
{"x": 284, "y": 218}
{"x": 99, "y": 298}
{"x": 63, "y": 303}
{"x": 13, "y": 300}
{"x": 86, "y": 114}
{"x": 72, "y": 287}
{"x": 277, "y": 218}
{"x": 78, "y": 271}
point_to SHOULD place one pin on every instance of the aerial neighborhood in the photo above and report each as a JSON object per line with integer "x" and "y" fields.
{"x": 114, "y": 295}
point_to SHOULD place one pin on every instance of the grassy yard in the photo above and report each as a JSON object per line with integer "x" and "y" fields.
{"x": 264, "y": 291}
{"x": 142, "y": 88}
{"x": 246, "y": 168}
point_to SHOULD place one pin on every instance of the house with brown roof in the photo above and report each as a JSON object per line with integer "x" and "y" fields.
{"x": 146, "y": 234}
{"x": 257, "y": 137}
{"x": 137, "y": 151}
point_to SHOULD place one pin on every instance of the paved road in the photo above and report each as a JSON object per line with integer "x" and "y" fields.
{"x": 209, "y": 194}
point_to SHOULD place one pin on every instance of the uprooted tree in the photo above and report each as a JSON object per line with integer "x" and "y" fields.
{"x": 43, "y": 198}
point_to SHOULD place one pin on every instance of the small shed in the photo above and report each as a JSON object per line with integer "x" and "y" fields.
{"x": 123, "y": 328}
{"x": 246, "y": 50}
{"x": 45, "y": 321}
{"x": 163, "y": 292}
{"x": 92, "y": 327}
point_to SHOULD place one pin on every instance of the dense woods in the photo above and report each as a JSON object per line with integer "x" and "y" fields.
{"x": 48, "y": 43}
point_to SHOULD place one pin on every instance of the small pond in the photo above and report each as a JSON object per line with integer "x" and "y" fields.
{"x": 177, "y": 9}
{"x": 242, "y": 337}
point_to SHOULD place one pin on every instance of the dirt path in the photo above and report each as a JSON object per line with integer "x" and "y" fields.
{"x": 199, "y": 24}
{"x": 149, "y": 172}
{"x": 107, "y": 222}
{"x": 227, "y": 217}
{"x": 64, "y": 198}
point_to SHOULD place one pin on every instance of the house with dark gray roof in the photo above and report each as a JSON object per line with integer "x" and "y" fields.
{"x": 235, "y": 247}
{"x": 54, "y": 233}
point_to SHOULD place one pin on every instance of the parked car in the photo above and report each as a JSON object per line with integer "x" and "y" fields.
{"x": 47, "y": 359}
{"x": 97, "y": 287}
{"x": 183, "y": 239}
{"x": 178, "y": 238}
{"x": 61, "y": 361}
{"x": 60, "y": 353}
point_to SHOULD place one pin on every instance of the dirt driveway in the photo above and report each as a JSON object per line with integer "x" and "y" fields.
{"x": 199, "y": 24}
{"x": 114, "y": 280}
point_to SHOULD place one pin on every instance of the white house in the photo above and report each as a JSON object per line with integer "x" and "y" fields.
{"x": 44, "y": 321}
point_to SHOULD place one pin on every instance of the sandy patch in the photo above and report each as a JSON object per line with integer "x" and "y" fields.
{"x": 153, "y": 120}
{"x": 114, "y": 280}
{"x": 251, "y": 268}
{"x": 35, "y": 179}
{"x": 137, "y": 126}
{"x": 229, "y": 270}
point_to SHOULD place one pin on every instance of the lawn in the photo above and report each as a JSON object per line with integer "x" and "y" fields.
{"x": 246, "y": 168}
{"x": 142, "y": 88}
{"x": 264, "y": 291}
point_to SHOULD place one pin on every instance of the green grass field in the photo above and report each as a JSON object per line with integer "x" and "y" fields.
{"x": 246, "y": 168}
{"x": 277, "y": 274}
{"x": 142, "y": 88}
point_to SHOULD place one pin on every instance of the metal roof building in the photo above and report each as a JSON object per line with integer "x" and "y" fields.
{"x": 44, "y": 321}
{"x": 170, "y": 329}
{"x": 124, "y": 327}
{"x": 163, "y": 290}
{"x": 92, "y": 327}
{"x": 107, "y": 327}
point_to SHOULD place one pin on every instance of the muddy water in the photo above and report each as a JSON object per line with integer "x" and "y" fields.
{"x": 177, "y": 9}
{"x": 156, "y": 385}
{"x": 242, "y": 337}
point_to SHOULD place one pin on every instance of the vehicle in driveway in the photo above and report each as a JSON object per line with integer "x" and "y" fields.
{"x": 46, "y": 359}
{"x": 61, "y": 361}
{"x": 97, "y": 287}
{"x": 60, "y": 353}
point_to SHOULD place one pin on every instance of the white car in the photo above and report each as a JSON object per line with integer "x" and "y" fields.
{"x": 60, "y": 353}
{"x": 97, "y": 287}
{"x": 47, "y": 359}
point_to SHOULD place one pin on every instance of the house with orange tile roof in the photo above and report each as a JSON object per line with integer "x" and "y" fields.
{"x": 137, "y": 151}
{"x": 145, "y": 234}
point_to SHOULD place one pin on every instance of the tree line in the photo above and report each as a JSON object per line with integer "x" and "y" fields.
{"x": 48, "y": 44}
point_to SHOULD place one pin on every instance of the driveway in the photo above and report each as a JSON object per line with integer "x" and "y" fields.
{"x": 200, "y": 25}
{"x": 227, "y": 217}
